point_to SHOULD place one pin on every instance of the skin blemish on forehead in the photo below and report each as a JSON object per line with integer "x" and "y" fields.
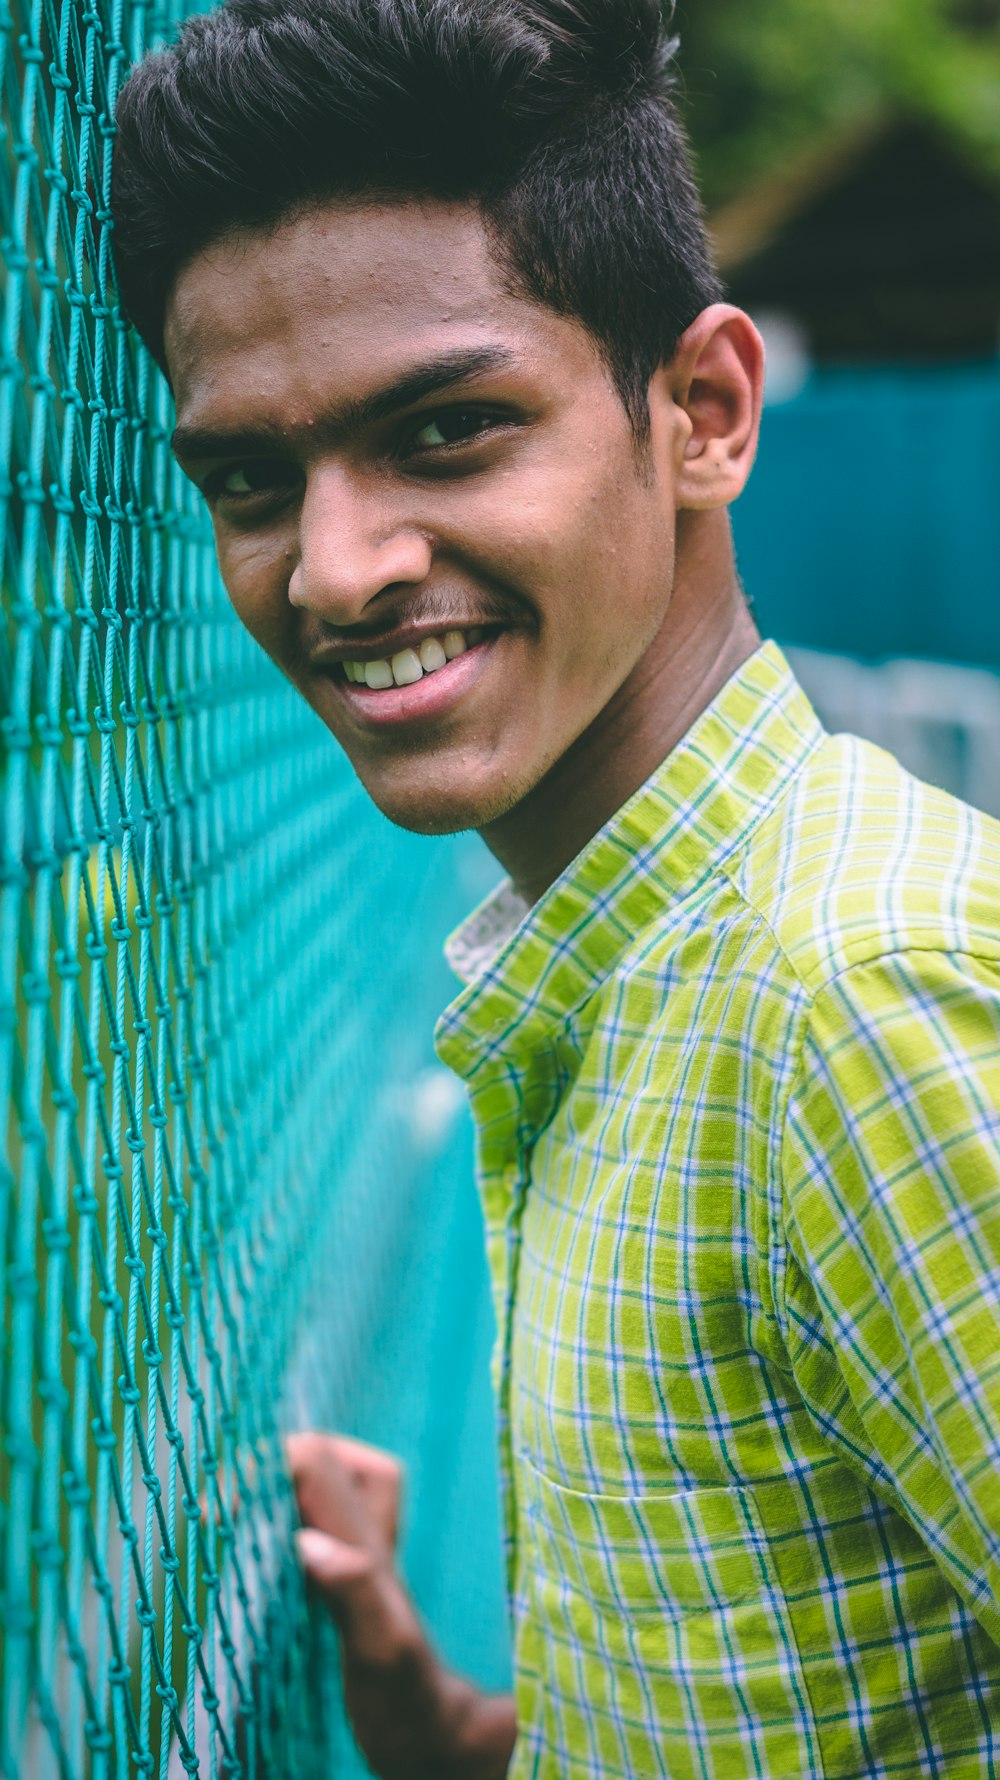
{"x": 369, "y": 300}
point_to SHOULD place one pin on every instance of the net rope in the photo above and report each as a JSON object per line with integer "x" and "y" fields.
{"x": 197, "y": 994}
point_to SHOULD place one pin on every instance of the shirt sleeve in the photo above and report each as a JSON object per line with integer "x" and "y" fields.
{"x": 891, "y": 1210}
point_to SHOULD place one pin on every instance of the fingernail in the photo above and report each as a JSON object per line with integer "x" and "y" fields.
{"x": 315, "y": 1549}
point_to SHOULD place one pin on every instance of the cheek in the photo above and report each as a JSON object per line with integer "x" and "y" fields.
{"x": 552, "y": 530}
{"x": 616, "y": 573}
{"x": 256, "y": 574}
{"x": 634, "y": 543}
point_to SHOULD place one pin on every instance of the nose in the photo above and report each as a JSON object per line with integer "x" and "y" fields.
{"x": 353, "y": 545}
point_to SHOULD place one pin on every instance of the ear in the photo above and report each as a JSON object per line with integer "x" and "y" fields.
{"x": 716, "y": 381}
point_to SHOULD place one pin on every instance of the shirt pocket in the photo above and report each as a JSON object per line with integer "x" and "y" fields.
{"x": 649, "y": 1639}
{"x": 672, "y": 1553}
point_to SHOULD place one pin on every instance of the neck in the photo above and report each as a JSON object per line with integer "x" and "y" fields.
{"x": 707, "y": 635}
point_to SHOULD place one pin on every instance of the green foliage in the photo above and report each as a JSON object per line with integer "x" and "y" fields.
{"x": 764, "y": 83}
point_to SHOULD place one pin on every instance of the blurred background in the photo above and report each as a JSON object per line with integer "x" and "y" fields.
{"x": 850, "y": 160}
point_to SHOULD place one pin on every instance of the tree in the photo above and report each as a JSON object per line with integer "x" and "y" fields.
{"x": 764, "y": 81}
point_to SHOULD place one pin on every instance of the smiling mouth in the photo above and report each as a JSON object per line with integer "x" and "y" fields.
{"x": 410, "y": 665}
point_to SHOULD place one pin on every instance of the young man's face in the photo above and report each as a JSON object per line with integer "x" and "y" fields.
{"x": 408, "y": 464}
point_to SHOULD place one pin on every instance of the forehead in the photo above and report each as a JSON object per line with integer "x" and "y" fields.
{"x": 347, "y": 296}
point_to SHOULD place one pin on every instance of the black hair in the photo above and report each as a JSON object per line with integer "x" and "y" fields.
{"x": 556, "y": 116}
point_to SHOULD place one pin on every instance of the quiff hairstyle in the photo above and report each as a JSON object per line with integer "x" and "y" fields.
{"x": 556, "y": 117}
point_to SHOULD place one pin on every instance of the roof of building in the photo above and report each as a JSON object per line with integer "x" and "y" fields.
{"x": 884, "y": 240}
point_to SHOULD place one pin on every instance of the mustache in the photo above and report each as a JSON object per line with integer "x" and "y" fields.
{"x": 445, "y": 608}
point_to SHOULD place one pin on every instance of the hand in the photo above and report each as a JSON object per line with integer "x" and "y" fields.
{"x": 412, "y": 1719}
{"x": 348, "y": 1498}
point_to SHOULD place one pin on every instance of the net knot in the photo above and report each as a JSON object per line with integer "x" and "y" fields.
{"x": 48, "y": 1552}
{"x": 52, "y": 1390}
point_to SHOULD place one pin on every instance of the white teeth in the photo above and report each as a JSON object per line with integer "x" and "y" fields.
{"x": 406, "y": 668}
{"x": 410, "y": 665}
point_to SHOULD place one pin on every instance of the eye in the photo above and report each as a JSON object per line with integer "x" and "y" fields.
{"x": 259, "y": 476}
{"x": 236, "y": 482}
{"x": 451, "y": 426}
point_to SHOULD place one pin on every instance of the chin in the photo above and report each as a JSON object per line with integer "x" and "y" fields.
{"x": 435, "y": 809}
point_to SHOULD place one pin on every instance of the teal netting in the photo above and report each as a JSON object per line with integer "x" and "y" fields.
{"x": 215, "y": 1097}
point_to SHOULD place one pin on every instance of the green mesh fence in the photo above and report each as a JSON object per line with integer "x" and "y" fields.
{"x": 212, "y": 1030}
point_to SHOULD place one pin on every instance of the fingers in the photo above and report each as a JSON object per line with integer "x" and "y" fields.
{"x": 348, "y": 1583}
{"x": 348, "y": 1499}
{"x": 379, "y": 1477}
{"x": 335, "y": 1569}
{"x": 345, "y": 1488}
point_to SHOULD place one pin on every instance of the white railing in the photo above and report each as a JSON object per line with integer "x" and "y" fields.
{"x": 941, "y": 721}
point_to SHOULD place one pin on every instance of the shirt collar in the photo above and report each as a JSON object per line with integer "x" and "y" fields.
{"x": 527, "y": 970}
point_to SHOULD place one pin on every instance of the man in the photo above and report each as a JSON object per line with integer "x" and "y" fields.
{"x": 452, "y": 369}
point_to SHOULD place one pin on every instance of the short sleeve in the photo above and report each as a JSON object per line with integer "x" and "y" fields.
{"x": 891, "y": 1211}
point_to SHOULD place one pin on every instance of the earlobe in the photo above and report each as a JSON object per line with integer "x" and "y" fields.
{"x": 717, "y": 378}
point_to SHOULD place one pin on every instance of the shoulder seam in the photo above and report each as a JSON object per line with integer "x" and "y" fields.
{"x": 867, "y": 949}
{"x": 986, "y": 956}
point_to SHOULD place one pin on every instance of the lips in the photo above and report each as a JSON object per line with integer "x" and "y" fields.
{"x": 430, "y": 695}
{"x": 408, "y": 665}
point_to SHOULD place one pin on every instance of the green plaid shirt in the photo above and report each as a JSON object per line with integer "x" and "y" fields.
{"x": 736, "y": 1080}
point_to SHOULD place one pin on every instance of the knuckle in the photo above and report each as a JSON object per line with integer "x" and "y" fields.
{"x": 391, "y": 1469}
{"x": 307, "y": 1452}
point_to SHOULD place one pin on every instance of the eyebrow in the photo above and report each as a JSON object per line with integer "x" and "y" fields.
{"x": 428, "y": 379}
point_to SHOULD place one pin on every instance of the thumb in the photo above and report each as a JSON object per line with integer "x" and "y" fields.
{"x": 374, "y": 1614}
{"x": 333, "y": 1566}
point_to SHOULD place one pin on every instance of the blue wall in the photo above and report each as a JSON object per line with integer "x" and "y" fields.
{"x": 871, "y": 525}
